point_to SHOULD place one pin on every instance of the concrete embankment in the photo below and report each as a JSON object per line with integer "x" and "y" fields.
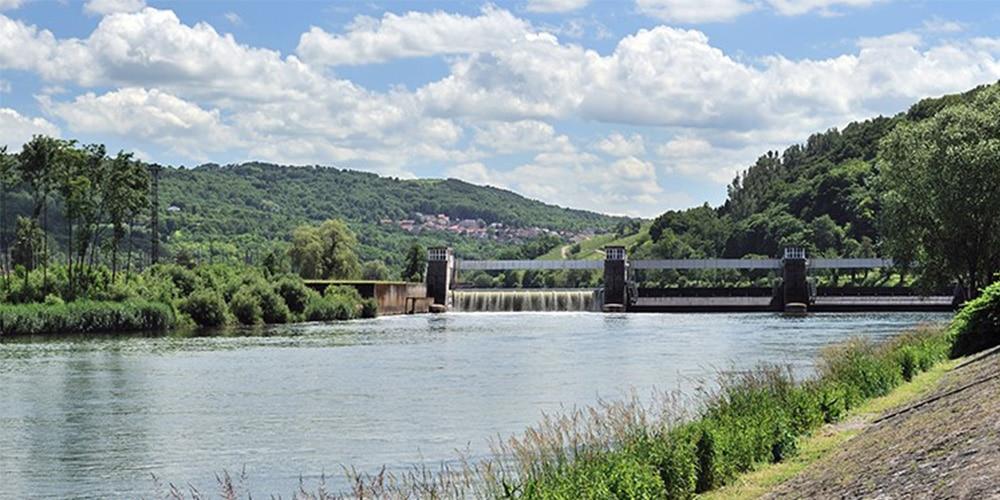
{"x": 943, "y": 444}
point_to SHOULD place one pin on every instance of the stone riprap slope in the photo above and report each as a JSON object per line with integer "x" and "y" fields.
{"x": 945, "y": 445}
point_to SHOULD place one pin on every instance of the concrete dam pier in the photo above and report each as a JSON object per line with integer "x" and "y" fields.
{"x": 793, "y": 290}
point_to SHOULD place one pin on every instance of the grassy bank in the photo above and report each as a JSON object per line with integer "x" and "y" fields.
{"x": 85, "y": 317}
{"x": 821, "y": 442}
{"x": 666, "y": 449}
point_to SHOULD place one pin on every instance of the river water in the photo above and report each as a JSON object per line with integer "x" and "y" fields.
{"x": 98, "y": 417}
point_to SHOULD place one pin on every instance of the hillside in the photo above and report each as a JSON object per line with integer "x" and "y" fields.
{"x": 253, "y": 204}
{"x": 823, "y": 195}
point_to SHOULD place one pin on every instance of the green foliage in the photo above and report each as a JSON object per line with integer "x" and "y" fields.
{"x": 330, "y": 308}
{"x": 327, "y": 251}
{"x": 375, "y": 270}
{"x": 416, "y": 263}
{"x": 369, "y": 308}
{"x": 205, "y": 307}
{"x": 977, "y": 326}
{"x": 754, "y": 418}
{"x": 294, "y": 292}
{"x": 941, "y": 191}
{"x": 245, "y": 306}
{"x": 84, "y": 317}
{"x": 273, "y": 307}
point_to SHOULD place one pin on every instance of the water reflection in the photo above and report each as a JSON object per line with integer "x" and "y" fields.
{"x": 94, "y": 417}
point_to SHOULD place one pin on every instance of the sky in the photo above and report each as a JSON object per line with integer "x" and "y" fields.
{"x": 626, "y": 107}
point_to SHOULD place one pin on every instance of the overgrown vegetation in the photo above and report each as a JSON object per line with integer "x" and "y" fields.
{"x": 85, "y": 317}
{"x": 977, "y": 325}
{"x": 630, "y": 449}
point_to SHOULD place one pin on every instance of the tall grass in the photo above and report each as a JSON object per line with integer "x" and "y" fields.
{"x": 84, "y": 317}
{"x": 630, "y": 449}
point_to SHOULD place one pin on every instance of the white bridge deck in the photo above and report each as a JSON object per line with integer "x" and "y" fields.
{"x": 500, "y": 265}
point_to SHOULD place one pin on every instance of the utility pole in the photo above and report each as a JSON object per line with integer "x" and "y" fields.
{"x": 154, "y": 214}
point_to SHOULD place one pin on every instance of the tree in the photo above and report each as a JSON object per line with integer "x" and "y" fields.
{"x": 940, "y": 179}
{"x": 416, "y": 263}
{"x": 325, "y": 251}
{"x": 39, "y": 159}
{"x": 8, "y": 177}
{"x": 127, "y": 193}
{"x": 375, "y": 270}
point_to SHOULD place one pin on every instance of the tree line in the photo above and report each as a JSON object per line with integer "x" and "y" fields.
{"x": 101, "y": 198}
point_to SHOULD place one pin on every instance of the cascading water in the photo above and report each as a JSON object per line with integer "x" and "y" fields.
{"x": 524, "y": 300}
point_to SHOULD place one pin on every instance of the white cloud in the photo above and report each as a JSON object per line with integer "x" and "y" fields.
{"x": 694, "y": 11}
{"x": 520, "y": 136}
{"x": 10, "y": 4}
{"x": 618, "y": 145}
{"x": 705, "y": 11}
{"x": 414, "y": 34}
{"x": 105, "y": 7}
{"x": 17, "y": 129}
{"x": 193, "y": 90}
{"x": 556, "y": 5}
{"x": 149, "y": 115}
{"x": 825, "y": 7}
{"x": 940, "y": 25}
{"x": 233, "y": 18}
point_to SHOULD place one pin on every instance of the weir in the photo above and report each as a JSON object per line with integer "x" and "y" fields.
{"x": 792, "y": 289}
{"x": 541, "y": 300}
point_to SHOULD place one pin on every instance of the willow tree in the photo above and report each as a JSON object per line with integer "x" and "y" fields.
{"x": 325, "y": 251}
{"x": 940, "y": 179}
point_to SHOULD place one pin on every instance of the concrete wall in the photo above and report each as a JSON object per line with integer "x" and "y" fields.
{"x": 392, "y": 297}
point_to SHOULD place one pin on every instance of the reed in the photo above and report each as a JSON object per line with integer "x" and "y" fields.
{"x": 84, "y": 317}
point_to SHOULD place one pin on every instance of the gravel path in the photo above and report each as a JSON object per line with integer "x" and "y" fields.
{"x": 946, "y": 445}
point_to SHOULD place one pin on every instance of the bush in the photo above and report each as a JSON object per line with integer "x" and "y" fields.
{"x": 272, "y": 306}
{"x": 331, "y": 308}
{"x": 245, "y": 306}
{"x": 977, "y": 326}
{"x": 294, "y": 292}
{"x": 85, "y": 317}
{"x": 205, "y": 307}
{"x": 369, "y": 308}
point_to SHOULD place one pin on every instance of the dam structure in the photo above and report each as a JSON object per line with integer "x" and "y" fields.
{"x": 792, "y": 290}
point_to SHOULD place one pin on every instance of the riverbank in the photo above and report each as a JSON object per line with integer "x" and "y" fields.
{"x": 943, "y": 443}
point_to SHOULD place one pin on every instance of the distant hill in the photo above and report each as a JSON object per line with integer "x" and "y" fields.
{"x": 254, "y": 203}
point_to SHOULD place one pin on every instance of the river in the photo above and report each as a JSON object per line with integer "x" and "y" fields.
{"x": 99, "y": 416}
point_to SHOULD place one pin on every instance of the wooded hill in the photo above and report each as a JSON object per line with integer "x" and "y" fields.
{"x": 252, "y": 204}
{"x": 823, "y": 195}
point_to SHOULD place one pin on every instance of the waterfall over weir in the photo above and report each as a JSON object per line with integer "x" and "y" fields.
{"x": 525, "y": 300}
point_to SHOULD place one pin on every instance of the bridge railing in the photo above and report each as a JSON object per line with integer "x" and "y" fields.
{"x": 819, "y": 263}
{"x": 501, "y": 265}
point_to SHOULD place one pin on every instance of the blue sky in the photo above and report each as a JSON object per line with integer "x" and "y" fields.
{"x": 628, "y": 107}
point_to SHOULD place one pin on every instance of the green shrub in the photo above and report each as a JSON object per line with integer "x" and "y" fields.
{"x": 53, "y": 300}
{"x": 332, "y": 308}
{"x": 346, "y": 291}
{"x": 272, "y": 306}
{"x": 85, "y": 317}
{"x": 369, "y": 308}
{"x": 977, "y": 326}
{"x": 294, "y": 292}
{"x": 206, "y": 308}
{"x": 245, "y": 306}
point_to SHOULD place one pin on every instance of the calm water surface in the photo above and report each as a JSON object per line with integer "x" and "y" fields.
{"x": 96, "y": 417}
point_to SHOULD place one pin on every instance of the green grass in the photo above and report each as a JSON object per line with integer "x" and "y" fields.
{"x": 593, "y": 248}
{"x": 85, "y": 317}
{"x": 825, "y": 440}
{"x": 755, "y": 419}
